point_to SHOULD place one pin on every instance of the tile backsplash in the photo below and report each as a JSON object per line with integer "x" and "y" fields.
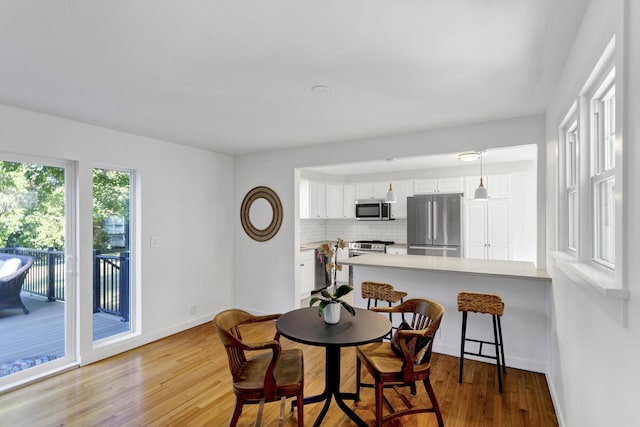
{"x": 314, "y": 230}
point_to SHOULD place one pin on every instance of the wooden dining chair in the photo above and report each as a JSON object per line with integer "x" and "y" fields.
{"x": 405, "y": 359}
{"x": 266, "y": 377}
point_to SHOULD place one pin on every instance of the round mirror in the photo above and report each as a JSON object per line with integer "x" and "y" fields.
{"x": 261, "y": 213}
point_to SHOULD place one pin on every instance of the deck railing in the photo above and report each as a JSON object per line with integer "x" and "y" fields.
{"x": 110, "y": 278}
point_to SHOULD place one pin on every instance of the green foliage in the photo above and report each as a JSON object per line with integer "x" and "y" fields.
{"x": 32, "y": 204}
{"x": 111, "y": 193}
{"x": 328, "y": 298}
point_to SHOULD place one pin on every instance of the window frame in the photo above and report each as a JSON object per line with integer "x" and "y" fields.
{"x": 583, "y": 266}
{"x": 569, "y": 178}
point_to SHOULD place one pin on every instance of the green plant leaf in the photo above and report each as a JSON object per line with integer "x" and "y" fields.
{"x": 342, "y": 291}
{"x": 321, "y": 306}
{"x": 325, "y": 293}
{"x": 314, "y": 300}
{"x": 348, "y": 308}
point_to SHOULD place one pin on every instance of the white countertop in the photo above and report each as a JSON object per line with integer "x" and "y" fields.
{"x": 516, "y": 269}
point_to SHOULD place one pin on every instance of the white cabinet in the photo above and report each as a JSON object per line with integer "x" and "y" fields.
{"x": 439, "y": 185}
{"x": 487, "y": 231}
{"x": 498, "y": 186}
{"x": 307, "y": 272}
{"x": 349, "y": 201}
{"x": 334, "y": 201}
{"x": 403, "y": 190}
{"x": 375, "y": 190}
{"x": 317, "y": 200}
{"x": 396, "y": 250}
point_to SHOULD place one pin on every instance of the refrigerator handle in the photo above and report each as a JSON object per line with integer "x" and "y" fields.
{"x": 435, "y": 220}
{"x": 429, "y": 220}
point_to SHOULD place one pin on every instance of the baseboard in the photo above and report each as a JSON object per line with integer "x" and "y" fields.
{"x": 554, "y": 400}
{"x": 511, "y": 362}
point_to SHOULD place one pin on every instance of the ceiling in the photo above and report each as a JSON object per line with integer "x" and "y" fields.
{"x": 237, "y": 76}
{"x": 520, "y": 153}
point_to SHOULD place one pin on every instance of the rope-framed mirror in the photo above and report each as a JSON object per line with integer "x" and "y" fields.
{"x": 253, "y": 212}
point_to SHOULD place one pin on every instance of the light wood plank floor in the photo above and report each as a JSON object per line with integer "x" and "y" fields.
{"x": 183, "y": 380}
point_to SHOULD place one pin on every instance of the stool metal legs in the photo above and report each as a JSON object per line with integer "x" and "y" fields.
{"x": 497, "y": 342}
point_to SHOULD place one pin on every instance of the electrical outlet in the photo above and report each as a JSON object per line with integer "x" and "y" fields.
{"x": 194, "y": 309}
{"x": 153, "y": 241}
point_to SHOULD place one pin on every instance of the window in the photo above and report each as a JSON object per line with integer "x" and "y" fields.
{"x": 589, "y": 167}
{"x": 571, "y": 159}
{"x": 603, "y": 136}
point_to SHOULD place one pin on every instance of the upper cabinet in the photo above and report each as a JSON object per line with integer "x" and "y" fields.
{"x": 313, "y": 199}
{"x": 349, "y": 201}
{"x": 498, "y": 186}
{"x": 376, "y": 190}
{"x": 334, "y": 200}
{"x": 439, "y": 185}
{"x": 322, "y": 201}
{"x": 317, "y": 200}
{"x": 403, "y": 190}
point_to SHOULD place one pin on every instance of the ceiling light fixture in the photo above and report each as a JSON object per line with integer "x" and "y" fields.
{"x": 320, "y": 89}
{"x": 469, "y": 156}
{"x": 481, "y": 192}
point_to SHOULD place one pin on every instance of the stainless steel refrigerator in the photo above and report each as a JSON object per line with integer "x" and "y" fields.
{"x": 434, "y": 225}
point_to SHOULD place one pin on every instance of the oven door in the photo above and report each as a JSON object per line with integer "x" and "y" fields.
{"x": 358, "y": 252}
{"x": 369, "y": 210}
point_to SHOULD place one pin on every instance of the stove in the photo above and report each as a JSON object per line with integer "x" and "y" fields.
{"x": 361, "y": 247}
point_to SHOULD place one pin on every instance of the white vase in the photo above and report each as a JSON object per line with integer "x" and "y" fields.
{"x": 331, "y": 313}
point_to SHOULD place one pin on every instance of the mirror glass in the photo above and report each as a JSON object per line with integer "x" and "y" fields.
{"x": 260, "y": 213}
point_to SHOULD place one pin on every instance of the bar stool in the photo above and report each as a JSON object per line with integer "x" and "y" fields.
{"x": 485, "y": 304}
{"x": 378, "y": 291}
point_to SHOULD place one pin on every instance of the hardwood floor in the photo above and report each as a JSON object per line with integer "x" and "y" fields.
{"x": 183, "y": 380}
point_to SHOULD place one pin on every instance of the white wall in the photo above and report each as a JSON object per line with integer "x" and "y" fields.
{"x": 186, "y": 200}
{"x": 265, "y": 273}
{"x": 594, "y": 354}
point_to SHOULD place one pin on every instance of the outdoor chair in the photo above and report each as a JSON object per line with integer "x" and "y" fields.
{"x": 266, "y": 377}
{"x": 404, "y": 360}
{"x": 11, "y": 284}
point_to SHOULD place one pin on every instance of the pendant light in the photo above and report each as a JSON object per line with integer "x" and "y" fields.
{"x": 481, "y": 192}
{"x": 391, "y": 195}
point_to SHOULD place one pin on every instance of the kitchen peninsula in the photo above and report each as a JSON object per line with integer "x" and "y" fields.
{"x": 525, "y": 290}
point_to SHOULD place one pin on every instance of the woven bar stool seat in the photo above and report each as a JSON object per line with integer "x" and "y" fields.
{"x": 483, "y": 303}
{"x": 385, "y": 292}
{"x": 377, "y": 291}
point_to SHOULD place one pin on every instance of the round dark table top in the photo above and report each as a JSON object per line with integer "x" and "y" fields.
{"x": 305, "y": 326}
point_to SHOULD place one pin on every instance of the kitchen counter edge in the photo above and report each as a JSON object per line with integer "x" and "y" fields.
{"x": 515, "y": 269}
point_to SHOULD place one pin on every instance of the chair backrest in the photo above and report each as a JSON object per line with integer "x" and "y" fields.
{"x": 376, "y": 291}
{"x": 227, "y": 324}
{"x": 480, "y": 303}
{"x": 426, "y": 316}
{"x": 21, "y": 272}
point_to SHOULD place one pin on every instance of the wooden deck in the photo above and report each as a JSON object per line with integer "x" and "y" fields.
{"x": 41, "y": 332}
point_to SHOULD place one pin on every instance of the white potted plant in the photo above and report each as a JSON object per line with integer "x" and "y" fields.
{"x": 330, "y": 302}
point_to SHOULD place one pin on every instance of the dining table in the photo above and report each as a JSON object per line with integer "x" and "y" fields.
{"x": 305, "y": 326}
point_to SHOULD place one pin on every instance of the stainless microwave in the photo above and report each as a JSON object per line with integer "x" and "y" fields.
{"x": 373, "y": 210}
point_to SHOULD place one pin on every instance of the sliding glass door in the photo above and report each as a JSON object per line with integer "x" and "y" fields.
{"x": 36, "y": 289}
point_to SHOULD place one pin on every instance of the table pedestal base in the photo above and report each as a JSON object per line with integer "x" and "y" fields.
{"x": 332, "y": 389}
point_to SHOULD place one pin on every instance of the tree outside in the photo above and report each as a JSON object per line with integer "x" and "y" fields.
{"x": 32, "y": 205}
